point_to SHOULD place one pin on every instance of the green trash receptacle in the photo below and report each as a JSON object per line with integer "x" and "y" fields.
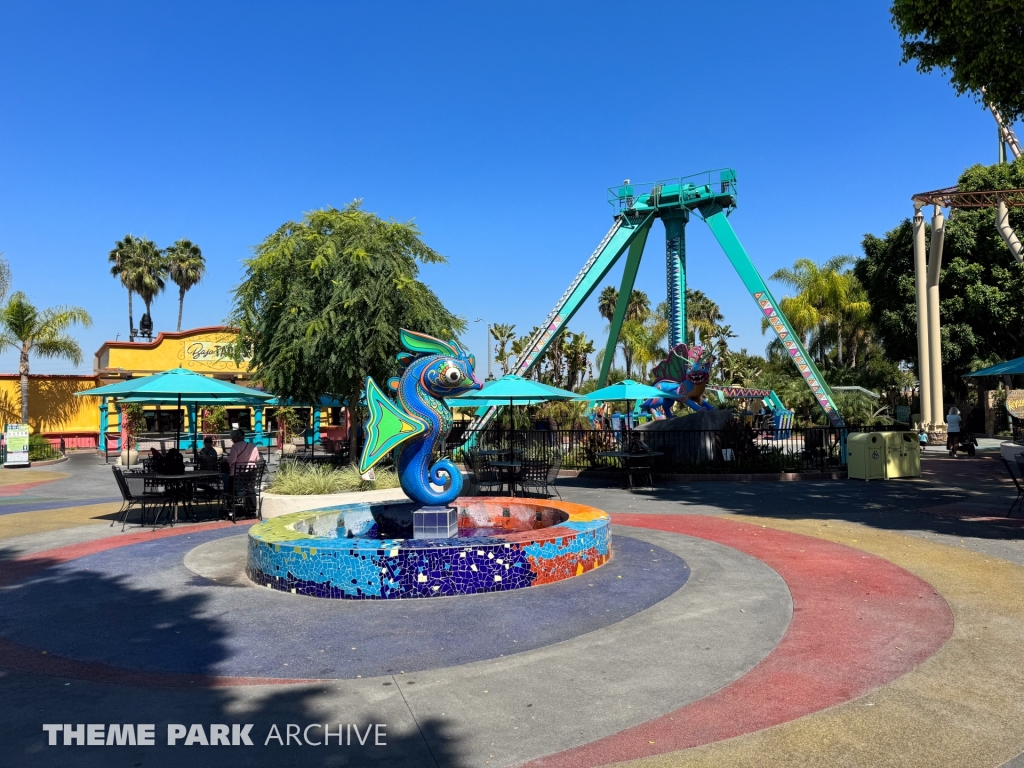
{"x": 902, "y": 454}
{"x": 866, "y": 456}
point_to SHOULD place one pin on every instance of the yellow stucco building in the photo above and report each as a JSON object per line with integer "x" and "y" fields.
{"x": 57, "y": 414}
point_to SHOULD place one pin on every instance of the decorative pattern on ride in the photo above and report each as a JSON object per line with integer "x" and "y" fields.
{"x": 521, "y": 544}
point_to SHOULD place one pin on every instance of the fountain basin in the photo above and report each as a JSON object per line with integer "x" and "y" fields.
{"x": 503, "y": 544}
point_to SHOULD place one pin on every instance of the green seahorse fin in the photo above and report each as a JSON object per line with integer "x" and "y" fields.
{"x": 387, "y": 427}
{"x": 422, "y": 344}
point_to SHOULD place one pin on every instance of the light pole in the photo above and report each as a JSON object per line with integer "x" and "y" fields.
{"x": 488, "y": 338}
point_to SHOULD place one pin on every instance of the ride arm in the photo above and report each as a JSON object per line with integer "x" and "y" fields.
{"x": 726, "y": 236}
{"x": 626, "y": 229}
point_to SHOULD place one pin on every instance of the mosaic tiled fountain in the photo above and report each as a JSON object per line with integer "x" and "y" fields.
{"x": 438, "y": 544}
{"x": 368, "y": 551}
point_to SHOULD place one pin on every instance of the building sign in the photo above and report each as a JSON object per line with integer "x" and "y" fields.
{"x": 16, "y": 439}
{"x": 216, "y": 355}
{"x": 1015, "y": 403}
{"x": 208, "y": 351}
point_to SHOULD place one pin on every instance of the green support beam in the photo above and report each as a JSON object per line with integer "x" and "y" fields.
{"x": 636, "y": 251}
{"x": 726, "y": 236}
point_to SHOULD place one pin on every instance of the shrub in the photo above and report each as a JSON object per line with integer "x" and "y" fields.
{"x": 298, "y": 479}
{"x": 40, "y": 449}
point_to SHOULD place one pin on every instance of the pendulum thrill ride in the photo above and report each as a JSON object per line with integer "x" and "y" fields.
{"x": 712, "y": 197}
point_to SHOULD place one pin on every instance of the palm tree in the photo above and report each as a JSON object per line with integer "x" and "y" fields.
{"x": 120, "y": 258}
{"x": 638, "y": 309}
{"x": 186, "y": 267}
{"x": 148, "y": 273}
{"x": 823, "y": 298}
{"x": 606, "y": 302}
{"x": 702, "y": 314}
{"x": 28, "y": 330}
{"x": 504, "y": 334}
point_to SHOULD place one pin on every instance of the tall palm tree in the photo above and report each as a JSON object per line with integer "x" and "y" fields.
{"x": 25, "y": 328}
{"x": 504, "y": 334}
{"x": 186, "y": 267}
{"x": 638, "y": 309}
{"x": 149, "y": 275}
{"x": 606, "y": 301}
{"x": 121, "y": 257}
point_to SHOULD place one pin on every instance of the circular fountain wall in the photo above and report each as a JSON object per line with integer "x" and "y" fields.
{"x": 366, "y": 551}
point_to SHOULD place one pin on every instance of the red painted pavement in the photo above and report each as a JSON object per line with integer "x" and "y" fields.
{"x": 859, "y": 622}
{"x": 16, "y": 489}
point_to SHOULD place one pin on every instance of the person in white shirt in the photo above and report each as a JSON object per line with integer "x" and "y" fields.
{"x": 953, "y": 430}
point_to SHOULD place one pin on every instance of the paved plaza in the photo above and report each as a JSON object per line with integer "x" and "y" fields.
{"x": 737, "y": 624}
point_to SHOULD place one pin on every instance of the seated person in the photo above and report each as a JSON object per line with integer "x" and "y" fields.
{"x": 241, "y": 452}
{"x": 208, "y": 455}
{"x": 174, "y": 462}
{"x": 156, "y": 460}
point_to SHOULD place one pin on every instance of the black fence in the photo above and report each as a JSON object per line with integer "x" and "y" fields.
{"x": 727, "y": 451}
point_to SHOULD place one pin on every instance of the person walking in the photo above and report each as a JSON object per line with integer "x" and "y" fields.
{"x": 953, "y": 430}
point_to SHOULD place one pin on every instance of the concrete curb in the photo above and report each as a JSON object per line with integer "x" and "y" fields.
{"x": 276, "y": 504}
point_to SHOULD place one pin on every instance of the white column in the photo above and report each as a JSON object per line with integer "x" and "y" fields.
{"x": 934, "y": 324}
{"x": 920, "y": 284}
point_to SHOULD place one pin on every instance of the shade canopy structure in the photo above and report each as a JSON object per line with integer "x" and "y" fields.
{"x": 511, "y": 388}
{"x": 624, "y": 390}
{"x": 178, "y": 382}
{"x": 177, "y": 386}
{"x": 1008, "y": 368}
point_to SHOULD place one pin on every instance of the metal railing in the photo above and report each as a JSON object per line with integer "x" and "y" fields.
{"x": 729, "y": 451}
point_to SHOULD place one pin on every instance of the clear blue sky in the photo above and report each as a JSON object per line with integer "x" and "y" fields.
{"x": 496, "y": 126}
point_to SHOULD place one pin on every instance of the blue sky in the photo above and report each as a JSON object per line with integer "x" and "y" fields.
{"x": 496, "y": 126}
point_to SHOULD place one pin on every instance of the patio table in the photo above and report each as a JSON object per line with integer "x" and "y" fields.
{"x": 180, "y": 480}
{"x": 625, "y": 456}
{"x": 511, "y": 467}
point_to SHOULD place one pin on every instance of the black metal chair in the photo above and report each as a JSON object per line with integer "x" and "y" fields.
{"x": 639, "y": 467}
{"x": 534, "y": 476}
{"x": 134, "y": 494}
{"x": 488, "y": 479}
{"x": 552, "y": 477}
{"x": 243, "y": 496}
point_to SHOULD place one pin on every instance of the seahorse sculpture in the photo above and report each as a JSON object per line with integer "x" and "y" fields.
{"x": 682, "y": 376}
{"x": 417, "y": 426}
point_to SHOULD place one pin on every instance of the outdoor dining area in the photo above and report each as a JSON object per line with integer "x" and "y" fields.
{"x": 521, "y": 462}
{"x": 168, "y": 486}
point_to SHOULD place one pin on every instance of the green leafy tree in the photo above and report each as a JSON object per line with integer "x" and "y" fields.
{"x": 979, "y": 43}
{"x": 186, "y": 267}
{"x": 5, "y": 276}
{"x": 323, "y": 300}
{"x": 981, "y": 287}
{"x": 42, "y": 333}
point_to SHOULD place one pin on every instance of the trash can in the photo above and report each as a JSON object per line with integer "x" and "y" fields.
{"x": 866, "y": 458}
{"x": 902, "y": 454}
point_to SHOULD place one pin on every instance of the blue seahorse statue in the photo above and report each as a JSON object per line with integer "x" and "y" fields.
{"x": 417, "y": 426}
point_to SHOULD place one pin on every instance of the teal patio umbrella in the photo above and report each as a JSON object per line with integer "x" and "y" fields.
{"x": 170, "y": 387}
{"x": 511, "y": 389}
{"x": 624, "y": 390}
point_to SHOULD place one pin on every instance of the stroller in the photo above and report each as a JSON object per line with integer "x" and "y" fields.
{"x": 968, "y": 442}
